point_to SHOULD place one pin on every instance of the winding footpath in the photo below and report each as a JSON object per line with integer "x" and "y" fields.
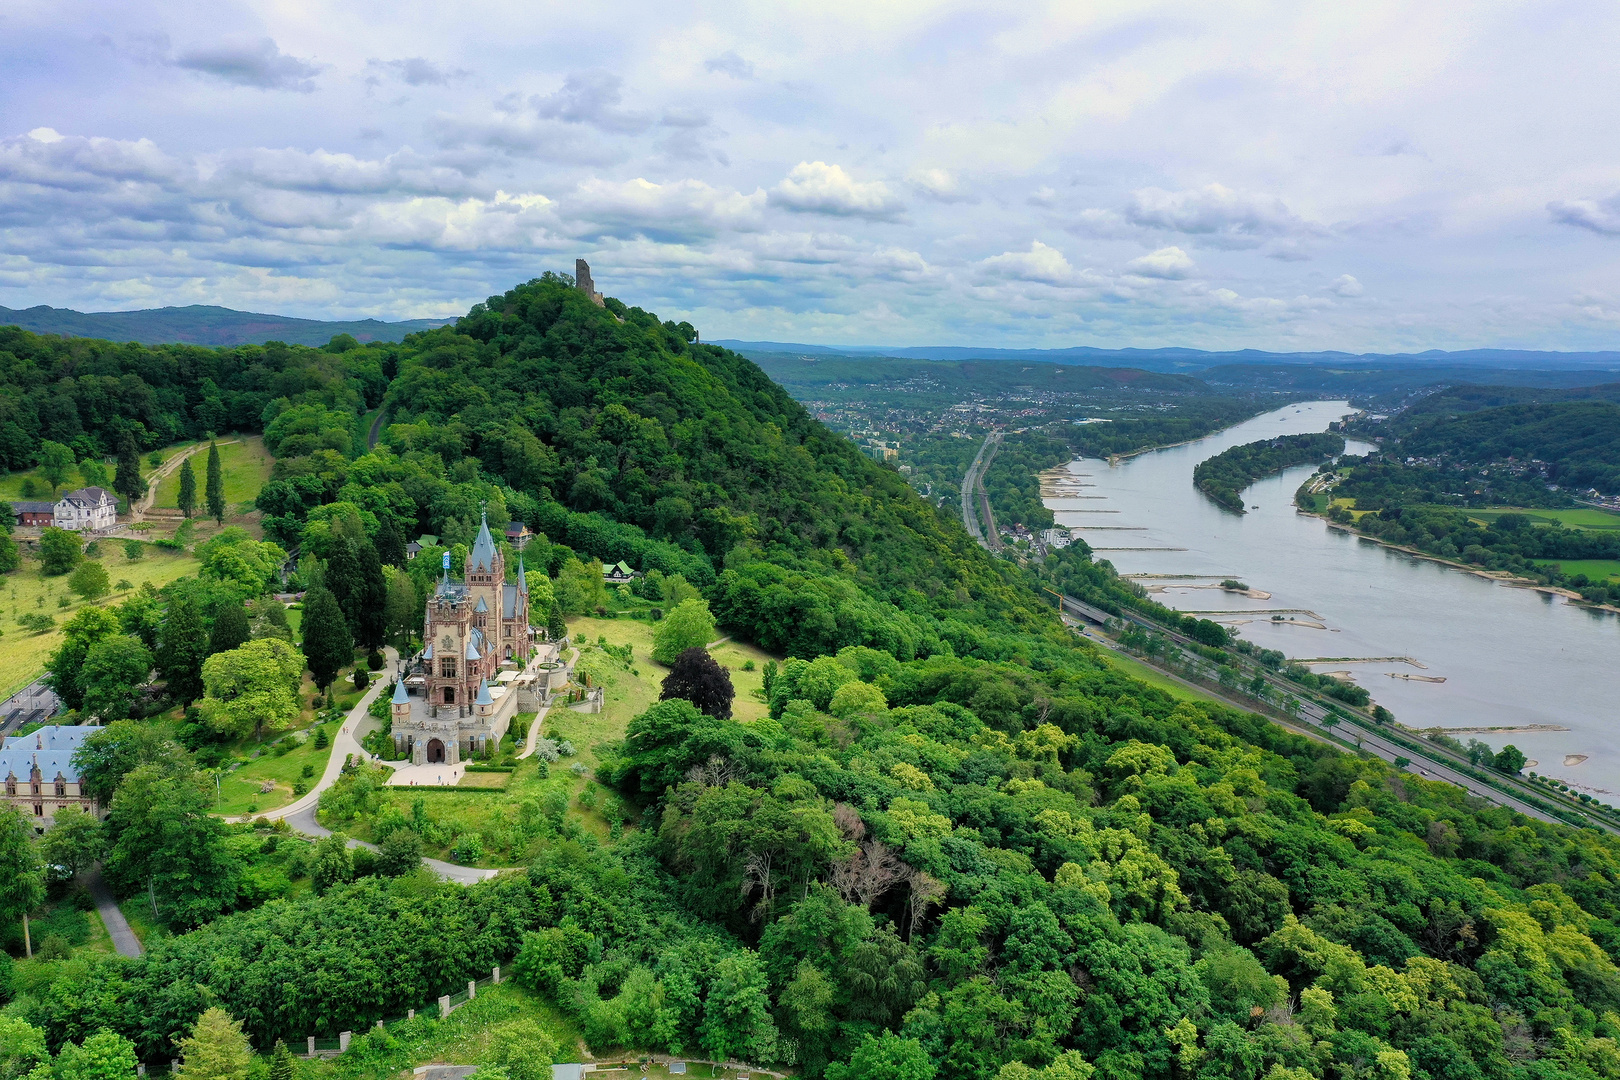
{"x": 112, "y": 917}
{"x": 158, "y": 475}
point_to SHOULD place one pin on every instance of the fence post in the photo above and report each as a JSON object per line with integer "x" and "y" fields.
{"x": 495, "y": 975}
{"x": 379, "y": 1025}
{"x": 444, "y": 1006}
{"x": 472, "y": 989}
{"x": 312, "y": 1046}
{"x": 140, "y": 1068}
{"x": 343, "y": 1040}
{"x": 410, "y": 1014}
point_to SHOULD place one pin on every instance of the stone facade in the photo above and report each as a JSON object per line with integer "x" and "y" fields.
{"x": 472, "y": 628}
{"x": 583, "y": 282}
{"x": 38, "y": 776}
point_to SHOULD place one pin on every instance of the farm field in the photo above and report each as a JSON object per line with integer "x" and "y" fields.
{"x": 1595, "y": 569}
{"x": 1582, "y": 517}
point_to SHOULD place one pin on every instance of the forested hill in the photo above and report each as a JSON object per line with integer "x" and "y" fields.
{"x": 200, "y": 324}
{"x": 1225, "y": 476}
{"x": 592, "y": 421}
{"x": 1578, "y": 440}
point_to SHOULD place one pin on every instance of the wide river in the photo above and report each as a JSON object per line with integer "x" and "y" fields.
{"x": 1509, "y": 657}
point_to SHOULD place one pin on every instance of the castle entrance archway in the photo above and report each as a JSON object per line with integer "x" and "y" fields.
{"x": 435, "y": 752}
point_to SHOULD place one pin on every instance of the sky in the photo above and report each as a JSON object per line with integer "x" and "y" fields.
{"x": 1296, "y": 175}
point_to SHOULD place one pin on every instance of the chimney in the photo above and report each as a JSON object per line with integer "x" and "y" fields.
{"x": 583, "y": 282}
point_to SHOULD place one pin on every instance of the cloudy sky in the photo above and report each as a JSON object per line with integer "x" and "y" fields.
{"x": 1366, "y": 176}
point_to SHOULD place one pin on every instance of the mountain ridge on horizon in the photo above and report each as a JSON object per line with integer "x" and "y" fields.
{"x": 206, "y": 324}
{"x": 1180, "y": 358}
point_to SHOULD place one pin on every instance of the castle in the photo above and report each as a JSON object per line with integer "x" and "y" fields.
{"x": 473, "y": 628}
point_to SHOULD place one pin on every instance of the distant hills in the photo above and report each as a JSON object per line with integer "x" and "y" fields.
{"x": 1177, "y": 360}
{"x": 200, "y": 324}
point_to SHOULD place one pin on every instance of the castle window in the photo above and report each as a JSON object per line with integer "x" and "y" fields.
{"x": 447, "y": 667}
{"x": 11, "y": 785}
{"x": 61, "y": 788}
{"x": 480, "y": 622}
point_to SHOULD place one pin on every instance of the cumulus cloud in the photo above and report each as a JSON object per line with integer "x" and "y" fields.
{"x": 729, "y": 63}
{"x": 419, "y": 71}
{"x": 1041, "y": 263}
{"x": 1170, "y": 263}
{"x": 679, "y": 212}
{"x": 940, "y": 185}
{"x": 258, "y": 64}
{"x": 1218, "y": 215}
{"x": 815, "y": 187}
{"x": 1601, "y": 216}
{"x": 1345, "y": 285}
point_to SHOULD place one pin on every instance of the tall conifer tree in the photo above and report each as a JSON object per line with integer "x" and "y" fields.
{"x": 127, "y": 481}
{"x": 188, "y": 488}
{"x": 327, "y": 644}
{"x": 183, "y": 646}
{"x": 214, "y": 490}
{"x": 231, "y": 629}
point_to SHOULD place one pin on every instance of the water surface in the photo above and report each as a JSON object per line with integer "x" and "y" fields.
{"x": 1509, "y": 656}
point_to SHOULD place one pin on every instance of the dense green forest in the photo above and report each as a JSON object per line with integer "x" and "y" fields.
{"x": 1225, "y": 476}
{"x": 89, "y": 395}
{"x": 962, "y": 844}
{"x": 1384, "y": 480}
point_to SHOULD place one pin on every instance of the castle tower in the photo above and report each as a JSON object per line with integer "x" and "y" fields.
{"x": 400, "y": 710}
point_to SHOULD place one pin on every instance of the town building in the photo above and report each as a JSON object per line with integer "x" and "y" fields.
{"x": 473, "y": 629}
{"x": 89, "y": 509}
{"x": 618, "y": 573}
{"x": 38, "y": 773}
{"x": 34, "y": 514}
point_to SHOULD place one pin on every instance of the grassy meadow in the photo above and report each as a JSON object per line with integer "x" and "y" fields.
{"x": 244, "y": 464}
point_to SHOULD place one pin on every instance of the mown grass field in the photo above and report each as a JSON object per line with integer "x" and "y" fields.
{"x": 244, "y": 463}
{"x": 1581, "y": 517}
{"x": 26, "y": 591}
{"x": 1156, "y": 678}
{"x": 1594, "y": 569}
{"x": 239, "y": 790}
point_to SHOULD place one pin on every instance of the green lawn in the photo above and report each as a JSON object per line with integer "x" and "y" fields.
{"x": 240, "y": 789}
{"x": 1594, "y": 569}
{"x": 1156, "y": 678}
{"x": 26, "y": 591}
{"x": 244, "y": 463}
{"x": 1583, "y": 517}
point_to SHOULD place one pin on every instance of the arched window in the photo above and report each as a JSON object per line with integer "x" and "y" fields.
{"x": 61, "y": 787}
{"x": 11, "y": 785}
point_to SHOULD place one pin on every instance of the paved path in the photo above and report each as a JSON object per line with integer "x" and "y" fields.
{"x": 123, "y": 938}
{"x": 534, "y": 732}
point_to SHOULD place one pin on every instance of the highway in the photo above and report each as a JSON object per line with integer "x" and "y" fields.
{"x": 973, "y": 490}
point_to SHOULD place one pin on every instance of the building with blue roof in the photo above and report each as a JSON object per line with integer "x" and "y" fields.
{"x": 38, "y": 773}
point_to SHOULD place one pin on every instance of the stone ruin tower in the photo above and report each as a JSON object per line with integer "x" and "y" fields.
{"x": 583, "y": 282}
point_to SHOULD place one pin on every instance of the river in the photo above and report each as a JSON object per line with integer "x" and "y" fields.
{"x": 1509, "y": 657}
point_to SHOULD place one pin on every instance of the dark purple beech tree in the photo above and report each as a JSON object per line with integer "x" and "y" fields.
{"x": 699, "y": 678}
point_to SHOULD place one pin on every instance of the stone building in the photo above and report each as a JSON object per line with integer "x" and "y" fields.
{"x": 89, "y": 509}
{"x": 38, "y": 774}
{"x": 473, "y": 629}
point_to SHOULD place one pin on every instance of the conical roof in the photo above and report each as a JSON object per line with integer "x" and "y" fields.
{"x": 483, "y": 697}
{"x": 400, "y": 696}
{"x": 482, "y": 558}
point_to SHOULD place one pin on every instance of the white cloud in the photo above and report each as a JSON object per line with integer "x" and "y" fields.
{"x": 1601, "y": 216}
{"x": 1345, "y": 285}
{"x": 258, "y": 64}
{"x": 940, "y": 185}
{"x": 815, "y": 187}
{"x": 1217, "y": 215}
{"x": 1170, "y": 263}
{"x": 679, "y": 212}
{"x": 1041, "y": 263}
{"x": 729, "y": 63}
{"x": 591, "y": 97}
{"x": 419, "y": 71}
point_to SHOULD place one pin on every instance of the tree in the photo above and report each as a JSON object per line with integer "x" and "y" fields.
{"x": 355, "y": 577}
{"x": 187, "y": 499}
{"x": 183, "y": 647}
{"x": 162, "y": 835}
{"x": 89, "y": 626}
{"x": 106, "y": 1055}
{"x": 390, "y": 541}
{"x": 59, "y": 550}
{"x": 214, "y": 490}
{"x": 74, "y": 840}
{"x": 327, "y": 644}
{"x": 283, "y": 1066}
{"x": 216, "y": 1049}
{"x": 55, "y": 463}
{"x": 90, "y": 580}
{"x": 22, "y": 1048}
{"x": 401, "y": 616}
{"x": 1510, "y": 760}
{"x": 579, "y": 587}
{"x": 699, "y": 678}
{"x": 113, "y": 670}
{"x": 127, "y": 481}
{"x": 252, "y": 688}
{"x": 688, "y": 626}
{"x": 556, "y": 625}
{"x": 888, "y": 1056}
{"x": 736, "y": 1014}
{"x": 94, "y": 473}
{"x": 22, "y": 876}
{"x": 399, "y": 853}
{"x": 233, "y": 555}
{"x": 334, "y": 863}
{"x": 230, "y": 629}
{"x": 117, "y": 750}
{"x": 523, "y": 1049}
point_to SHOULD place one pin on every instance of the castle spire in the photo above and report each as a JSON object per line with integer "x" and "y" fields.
{"x": 483, "y": 552}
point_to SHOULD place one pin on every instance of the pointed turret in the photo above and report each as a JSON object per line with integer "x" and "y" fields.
{"x": 482, "y": 559}
{"x": 483, "y": 694}
{"x": 522, "y": 582}
{"x": 400, "y": 696}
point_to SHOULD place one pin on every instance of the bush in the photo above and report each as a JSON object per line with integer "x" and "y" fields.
{"x": 468, "y": 850}
{"x": 375, "y": 661}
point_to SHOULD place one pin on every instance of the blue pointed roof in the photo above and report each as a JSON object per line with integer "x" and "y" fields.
{"x": 400, "y": 696}
{"x": 472, "y": 652}
{"x": 481, "y": 605}
{"x": 483, "y": 551}
{"x": 522, "y": 581}
{"x": 483, "y": 697}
